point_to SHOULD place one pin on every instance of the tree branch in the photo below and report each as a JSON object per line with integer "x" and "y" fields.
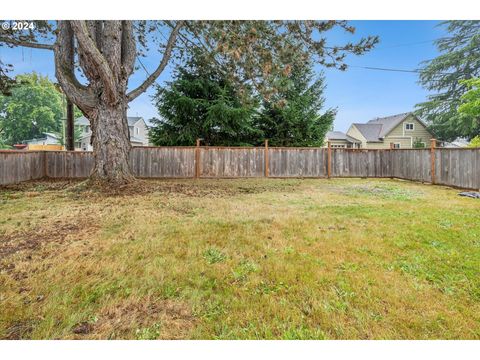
{"x": 166, "y": 57}
{"x": 91, "y": 52}
{"x": 128, "y": 48}
{"x": 80, "y": 95}
{"x": 26, "y": 43}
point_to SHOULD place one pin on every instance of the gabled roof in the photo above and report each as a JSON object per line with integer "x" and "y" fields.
{"x": 388, "y": 123}
{"x": 338, "y": 135}
{"x": 375, "y": 130}
{"x": 132, "y": 120}
{"x": 370, "y": 132}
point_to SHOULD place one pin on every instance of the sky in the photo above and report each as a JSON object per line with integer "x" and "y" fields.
{"x": 358, "y": 94}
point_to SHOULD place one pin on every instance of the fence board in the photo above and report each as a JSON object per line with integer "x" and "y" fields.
{"x": 453, "y": 167}
{"x": 458, "y": 167}
{"x": 232, "y": 162}
{"x": 412, "y": 164}
{"x": 152, "y": 162}
{"x": 297, "y": 162}
{"x": 18, "y": 166}
{"x": 69, "y": 164}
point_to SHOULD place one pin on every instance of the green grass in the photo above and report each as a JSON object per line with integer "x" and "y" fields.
{"x": 240, "y": 259}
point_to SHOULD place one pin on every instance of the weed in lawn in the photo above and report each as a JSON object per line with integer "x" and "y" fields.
{"x": 213, "y": 255}
{"x": 245, "y": 268}
{"x": 149, "y": 333}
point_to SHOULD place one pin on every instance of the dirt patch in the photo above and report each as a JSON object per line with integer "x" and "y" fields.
{"x": 204, "y": 187}
{"x": 19, "y": 330}
{"x": 19, "y": 249}
{"x": 39, "y": 186}
{"x": 186, "y": 187}
{"x": 144, "y": 318}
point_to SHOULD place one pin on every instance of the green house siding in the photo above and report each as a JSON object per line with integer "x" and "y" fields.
{"x": 407, "y": 137}
{"x": 353, "y": 132}
{"x": 398, "y": 135}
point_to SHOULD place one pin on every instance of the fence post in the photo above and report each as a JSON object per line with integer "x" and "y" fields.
{"x": 433, "y": 143}
{"x": 45, "y": 164}
{"x": 197, "y": 159}
{"x": 329, "y": 160}
{"x": 267, "y": 163}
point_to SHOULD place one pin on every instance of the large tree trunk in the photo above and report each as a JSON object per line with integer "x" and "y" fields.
{"x": 111, "y": 145}
{"x": 106, "y": 53}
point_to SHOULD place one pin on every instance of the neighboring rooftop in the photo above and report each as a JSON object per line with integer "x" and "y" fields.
{"x": 338, "y": 135}
{"x": 376, "y": 129}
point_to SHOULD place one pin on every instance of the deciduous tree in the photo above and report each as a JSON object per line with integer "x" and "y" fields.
{"x": 33, "y": 107}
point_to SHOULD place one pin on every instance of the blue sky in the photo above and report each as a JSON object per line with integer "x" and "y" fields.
{"x": 359, "y": 94}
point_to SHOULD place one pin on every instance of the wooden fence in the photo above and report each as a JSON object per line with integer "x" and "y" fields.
{"x": 453, "y": 167}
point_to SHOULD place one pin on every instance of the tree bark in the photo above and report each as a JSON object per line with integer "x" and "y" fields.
{"x": 111, "y": 145}
{"x": 106, "y": 53}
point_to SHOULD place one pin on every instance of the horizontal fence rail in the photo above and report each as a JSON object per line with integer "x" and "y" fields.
{"x": 453, "y": 167}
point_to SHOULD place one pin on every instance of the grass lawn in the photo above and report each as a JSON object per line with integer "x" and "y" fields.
{"x": 240, "y": 259}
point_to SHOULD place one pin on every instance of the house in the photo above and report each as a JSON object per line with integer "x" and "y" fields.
{"x": 457, "y": 143}
{"x": 136, "y": 125}
{"x": 402, "y": 131}
{"x": 339, "y": 139}
{"x": 46, "y": 139}
{"x": 49, "y": 141}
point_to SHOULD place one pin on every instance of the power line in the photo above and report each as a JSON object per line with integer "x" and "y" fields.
{"x": 406, "y": 44}
{"x": 146, "y": 71}
{"x": 390, "y": 69}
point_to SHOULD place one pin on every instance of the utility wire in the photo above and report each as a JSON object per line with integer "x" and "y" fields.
{"x": 390, "y": 69}
{"x": 407, "y": 44}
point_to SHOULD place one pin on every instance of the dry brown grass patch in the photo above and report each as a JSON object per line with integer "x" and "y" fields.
{"x": 142, "y": 318}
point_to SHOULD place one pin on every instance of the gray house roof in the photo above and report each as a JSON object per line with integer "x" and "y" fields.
{"x": 388, "y": 123}
{"x": 45, "y": 137}
{"x": 375, "y": 130}
{"x": 338, "y": 135}
{"x": 370, "y": 132}
{"x": 132, "y": 120}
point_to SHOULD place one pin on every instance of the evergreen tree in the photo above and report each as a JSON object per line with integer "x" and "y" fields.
{"x": 292, "y": 117}
{"x": 459, "y": 60}
{"x": 202, "y": 103}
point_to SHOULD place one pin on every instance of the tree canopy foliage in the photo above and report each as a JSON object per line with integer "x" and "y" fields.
{"x": 471, "y": 99}
{"x": 293, "y": 116}
{"x": 202, "y": 103}
{"x": 459, "y": 60}
{"x": 35, "y": 106}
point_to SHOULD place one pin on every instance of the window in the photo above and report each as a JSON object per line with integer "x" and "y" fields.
{"x": 396, "y": 145}
{"x": 409, "y": 126}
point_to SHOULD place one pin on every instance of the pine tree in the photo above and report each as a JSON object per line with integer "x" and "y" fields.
{"x": 202, "y": 103}
{"x": 459, "y": 60}
{"x": 292, "y": 117}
